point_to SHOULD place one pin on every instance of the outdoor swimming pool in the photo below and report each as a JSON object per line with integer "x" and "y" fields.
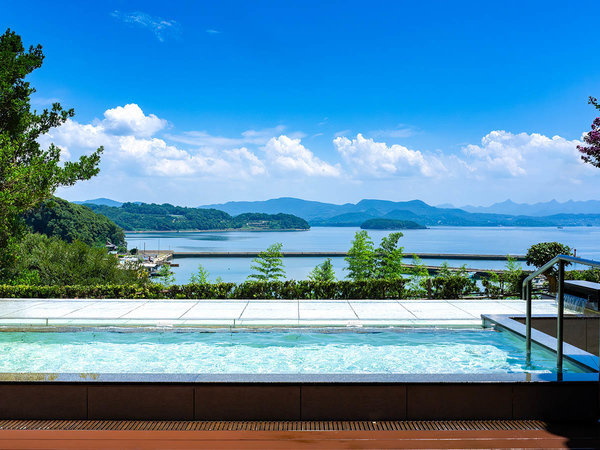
{"x": 280, "y": 351}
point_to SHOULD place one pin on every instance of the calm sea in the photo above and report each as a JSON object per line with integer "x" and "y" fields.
{"x": 467, "y": 240}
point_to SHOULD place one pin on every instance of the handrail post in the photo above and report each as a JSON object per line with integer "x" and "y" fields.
{"x": 560, "y": 316}
{"x": 528, "y": 288}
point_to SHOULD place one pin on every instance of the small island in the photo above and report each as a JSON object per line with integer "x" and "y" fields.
{"x": 391, "y": 224}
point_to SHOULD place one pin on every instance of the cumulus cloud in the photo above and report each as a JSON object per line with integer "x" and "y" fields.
{"x": 509, "y": 155}
{"x": 161, "y": 28}
{"x": 126, "y": 133}
{"x": 502, "y": 165}
{"x": 290, "y": 155}
{"x": 130, "y": 119}
{"x": 380, "y": 160}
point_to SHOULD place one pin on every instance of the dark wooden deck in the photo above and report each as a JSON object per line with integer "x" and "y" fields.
{"x": 291, "y": 435}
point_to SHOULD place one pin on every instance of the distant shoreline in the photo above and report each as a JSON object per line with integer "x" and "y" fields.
{"x": 215, "y": 230}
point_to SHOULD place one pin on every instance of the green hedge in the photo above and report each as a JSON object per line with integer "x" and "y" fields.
{"x": 306, "y": 289}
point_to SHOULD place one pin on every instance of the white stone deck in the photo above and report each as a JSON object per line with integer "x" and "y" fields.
{"x": 246, "y": 313}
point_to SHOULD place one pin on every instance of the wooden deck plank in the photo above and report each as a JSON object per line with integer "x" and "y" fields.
{"x": 42, "y": 439}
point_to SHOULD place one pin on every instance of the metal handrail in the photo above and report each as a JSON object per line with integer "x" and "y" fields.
{"x": 527, "y": 290}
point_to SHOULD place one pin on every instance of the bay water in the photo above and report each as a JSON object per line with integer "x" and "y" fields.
{"x": 463, "y": 240}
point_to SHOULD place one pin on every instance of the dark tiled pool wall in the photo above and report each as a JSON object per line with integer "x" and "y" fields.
{"x": 301, "y": 401}
{"x": 580, "y": 331}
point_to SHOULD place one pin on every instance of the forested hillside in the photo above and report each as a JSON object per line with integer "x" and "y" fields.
{"x": 71, "y": 222}
{"x": 391, "y": 224}
{"x": 166, "y": 217}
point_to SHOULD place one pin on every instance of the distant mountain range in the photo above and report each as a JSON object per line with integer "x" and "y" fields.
{"x": 101, "y": 201}
{"x": 536, "y": 209}
{"x": 350, "y": 214}
{"x": 508, "y": 213}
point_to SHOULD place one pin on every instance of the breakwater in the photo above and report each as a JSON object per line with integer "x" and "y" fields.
{"x": 444, "y": 256}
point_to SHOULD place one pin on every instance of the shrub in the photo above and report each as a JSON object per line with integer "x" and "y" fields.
{"x": 417, "y": 287}
{"x": 493, "y": 285}
{"x": 51, "y": 261}
{"x": 306, "y": 289}
{"x": 452, "y": 283}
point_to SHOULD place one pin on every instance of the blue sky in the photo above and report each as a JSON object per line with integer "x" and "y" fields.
{"x": 459, "y": 102}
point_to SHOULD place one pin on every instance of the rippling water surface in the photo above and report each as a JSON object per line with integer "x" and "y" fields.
{"x": 294, "y": 351}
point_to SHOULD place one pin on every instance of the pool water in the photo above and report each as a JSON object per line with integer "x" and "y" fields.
{"x": 308, "y": 351}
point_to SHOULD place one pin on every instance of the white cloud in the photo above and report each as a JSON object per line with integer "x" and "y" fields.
{"x": 508, "y": 155}
{"x": 161, "y": 28}
{"x": 401, "y": 131}
{"x": 130, "y": 119}
{"x": 290, "y": 155}
{"x": 248, "y": 137}
{"x": 145, "y": 162}
{"x": 380, "y": 160}
{"x": 126, "y": 133}
{"x": 213, "y": 31}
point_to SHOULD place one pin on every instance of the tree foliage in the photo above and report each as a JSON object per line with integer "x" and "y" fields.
{"x": 52, "y": 261}
{"x": 72, "y": 222}
{"x": 166, "y": 217}
{"x": 388, "y": 257}
{"x": 540, "y": 254}
{"x": 201, "y": 275}
{"x": 365, "y": 262}
{"x": 323, "y": 272}
{"x": 165, "y": 276}
{"x": 361, "y": 257}
{"x": 29, "y": 174}
{"x": 391, "y": 224}
{"x": 419, "y": 275}
{"x": 590, "y": 152}
{"x": 268, "y": 266}
{"x": 452, "y": 283}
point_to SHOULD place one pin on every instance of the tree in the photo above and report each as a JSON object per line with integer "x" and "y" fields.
{"x": 360, "y": 257}
{"x": 419, "y": 276}
{"x": 388, "y": 257}
{"x": 268, "y": 266}
{"x": 51, "y": 261}
{"x": 323, "y": 272}
{"x": 71, "y": 222}
{"x": 201, "y": 276}
{"x": 540, "y": 254}
{"x": 165, "y": 275}
{"x": 513, "y": 276}
{"x": 590, "y": 153}
{"x": 28, "y": 174}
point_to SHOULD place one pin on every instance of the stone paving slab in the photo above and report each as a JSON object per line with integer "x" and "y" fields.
{"x": 103, "y": 310}
{"x": 378, "y": 310}
{"x": 48, "y": 309}
{"x": 162, "y": 310}
{"x": 11, "y": 307}
{"x": 229, "y": 313}
{"x": 324, "y": 310}
{"x": 285, "y": 310}
{"x": 226, "y": 309}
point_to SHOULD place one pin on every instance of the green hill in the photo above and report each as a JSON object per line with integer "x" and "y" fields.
{"x": 166, "y": 217}
{"x": 391, "y": 224}
{"x": 72, "y": 222}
